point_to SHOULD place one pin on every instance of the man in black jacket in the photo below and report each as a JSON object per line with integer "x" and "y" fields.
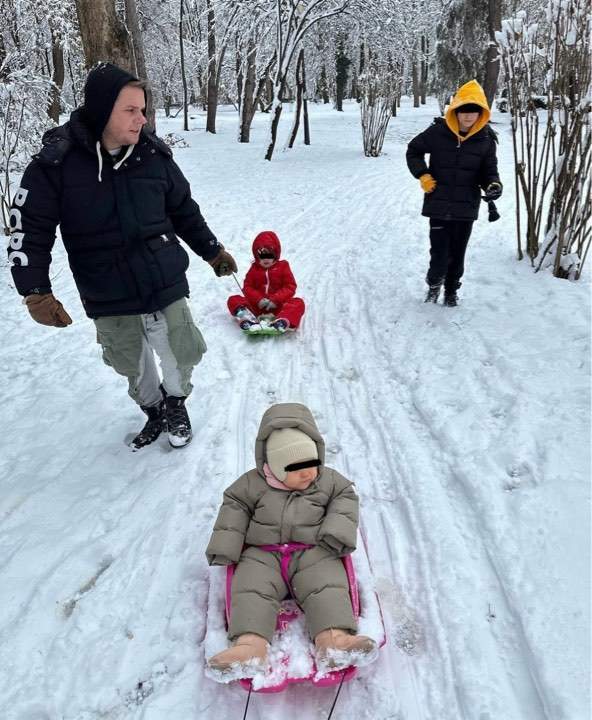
{"x": 462, "y": 150}
{"x": 120, "y": 201}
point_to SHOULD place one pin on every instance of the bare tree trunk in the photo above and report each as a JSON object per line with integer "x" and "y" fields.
{"x": 57, "y": 56}
{"x": 137, "y": 47}
{"x": 212, "y": 84}
{"x": 305, "y": 106}
{"x": 342, "y": 62}
{"x": 72, "y": 80}
{"x": 183, "y": 75}
{"x": 3, "y": 68}
{"x": 299, "y": 97}
{"x": 104, "y": 36}
{"x": 247, "y": 108}
{"x": 239, "y": 78}
{"x": 424, "y": 71}
{"x": 492, "y": 63}
{"x": 415, "y": 81}
{"x": 277, "y": 113}
{"x": 268, "y": 92}
{"x": 322, "y": 86}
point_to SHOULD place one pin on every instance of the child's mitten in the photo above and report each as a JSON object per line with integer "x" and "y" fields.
{"x": 428, "y": 184}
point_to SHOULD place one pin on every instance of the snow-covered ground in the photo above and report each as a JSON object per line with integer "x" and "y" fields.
{"x": 466, "y": 431}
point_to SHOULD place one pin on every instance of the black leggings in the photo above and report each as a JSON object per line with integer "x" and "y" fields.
{"x": 448, "y": 244}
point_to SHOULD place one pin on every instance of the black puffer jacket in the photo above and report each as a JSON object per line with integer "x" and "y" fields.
{"x": 460, "y": 169}
{"x": 119, "y": 225}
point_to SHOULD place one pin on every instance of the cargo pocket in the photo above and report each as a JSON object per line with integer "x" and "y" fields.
{"x": 171, "y": 259}
{"x": 185, "y": 339}
{"x": 121, "y": 341}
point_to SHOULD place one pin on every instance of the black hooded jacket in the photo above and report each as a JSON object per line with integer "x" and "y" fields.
{"x": 460, "y": 169}
{"x": 119, "y": 222}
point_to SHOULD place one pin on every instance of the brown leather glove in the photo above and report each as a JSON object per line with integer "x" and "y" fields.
{"x": 427, "y": 182}
{"x": 46, "y": 310}
{"x": 223, "y": 263}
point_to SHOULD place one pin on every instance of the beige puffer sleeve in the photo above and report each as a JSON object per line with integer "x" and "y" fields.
{"x": 339, "y": 530}
{"x": 230, "y": 528}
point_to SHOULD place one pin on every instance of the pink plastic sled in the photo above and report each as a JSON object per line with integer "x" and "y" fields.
{"x": 291, "y": 611}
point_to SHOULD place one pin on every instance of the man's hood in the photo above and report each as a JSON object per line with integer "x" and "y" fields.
{"x": 103, "y": 85}
{"x": 283, "y": 415}
{"x": 267, "y": 239}
{"x": 472, "y": 93}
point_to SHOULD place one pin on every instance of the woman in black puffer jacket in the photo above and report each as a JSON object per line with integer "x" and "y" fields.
{"x": 462, "y": 150}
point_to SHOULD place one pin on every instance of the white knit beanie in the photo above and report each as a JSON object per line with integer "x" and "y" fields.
{"x": 287, "y": 446}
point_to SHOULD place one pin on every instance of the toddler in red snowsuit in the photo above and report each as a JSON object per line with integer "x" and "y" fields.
{"x": 268, "y": 289}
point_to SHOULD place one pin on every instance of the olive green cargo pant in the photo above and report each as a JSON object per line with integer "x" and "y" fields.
{"x": 319, "y": 583}
{"x": 129, "y": 343}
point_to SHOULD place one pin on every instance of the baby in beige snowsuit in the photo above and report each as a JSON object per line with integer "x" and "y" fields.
{"x": 291, "y": 497}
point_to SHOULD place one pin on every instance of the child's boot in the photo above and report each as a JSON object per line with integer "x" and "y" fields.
{"x": 337, "y": 648}
{"x": 248, "y": 654}
{"x": 450, "y": 298}
{"x": 243, "y": 313}
{"x": 280, "y": 324}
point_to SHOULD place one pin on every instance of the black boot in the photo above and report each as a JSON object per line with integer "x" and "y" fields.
{"x": 450, "y": 298}
{"x": 433, "y": 293}
{"x": 152, "y": 429}
{"x": 179, "y": 426}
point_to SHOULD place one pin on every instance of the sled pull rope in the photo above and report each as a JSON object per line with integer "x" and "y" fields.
{"x": 248, "y": 698}
{"x": 237, "y": 282}
{"x": 330, "y": 715}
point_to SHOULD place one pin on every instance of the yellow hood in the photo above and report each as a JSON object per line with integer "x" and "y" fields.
{"x": 470, "y": 92}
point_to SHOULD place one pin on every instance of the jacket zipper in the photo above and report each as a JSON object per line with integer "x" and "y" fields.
{"x": 266, "y": 282}
{"x": 282, "y": 519}
{"x": 456, "y": 161}
{"x": 285, "y": 536}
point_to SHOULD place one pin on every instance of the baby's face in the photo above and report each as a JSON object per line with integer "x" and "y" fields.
{"x": 301, "y": 479}
{"x": 266, "y": 262}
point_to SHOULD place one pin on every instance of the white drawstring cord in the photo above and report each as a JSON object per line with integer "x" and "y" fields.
{"x": 130, "y": 149}
{"x": 100, "y": 156}
{"x": 128, "y": 152}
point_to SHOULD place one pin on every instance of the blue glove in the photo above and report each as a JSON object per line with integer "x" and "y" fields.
{"x": 266, "y": 304}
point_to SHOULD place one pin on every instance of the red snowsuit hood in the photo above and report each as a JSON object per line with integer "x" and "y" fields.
{"x": 267, "y": 239}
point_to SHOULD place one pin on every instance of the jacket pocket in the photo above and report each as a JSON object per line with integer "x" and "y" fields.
{"x": 171, "y": 259}
{"x": 102, "y": 280}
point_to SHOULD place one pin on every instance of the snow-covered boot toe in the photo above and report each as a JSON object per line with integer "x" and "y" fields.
{"x": 247, "y": 656}
{"x": 154, "y": 426}
{"x": 433, "y": 293}
{"x": 337, "y": 648}
{"x": 249, "y": 326}
{"x": 280, "y": 324}
{"x": 243, "y": 313}
{"x": 178, "y": 423}
{"x": 450, "y": 299}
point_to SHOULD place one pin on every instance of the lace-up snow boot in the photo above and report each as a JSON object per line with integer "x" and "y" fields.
{"x": 451, "y": 299}
{"x": 178, "y": 423}
{"x": 433, "y": 293}
{"x": 156, "y": 423}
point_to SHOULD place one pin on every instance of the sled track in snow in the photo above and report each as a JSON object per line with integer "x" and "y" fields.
{"x": 461, "y": 495}
{"x": 413, "y": 529}
{"x": 524, "y": 659}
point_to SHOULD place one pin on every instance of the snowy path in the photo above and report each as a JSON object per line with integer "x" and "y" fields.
{"x": 465, "y": 431}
